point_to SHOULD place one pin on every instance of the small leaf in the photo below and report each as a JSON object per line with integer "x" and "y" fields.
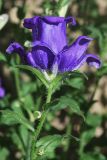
{"x": 28, "y": 44}
{"x": 56, "y": 82}
{"x": 2, "y": 57}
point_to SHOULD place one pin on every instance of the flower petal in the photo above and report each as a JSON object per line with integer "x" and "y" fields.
{"x": 50, "y": 30}
{"x": 57, "y": 20}
{"x": 72, "y": 54}
{"x": 90, "y": 59}
{"x": 42, "y": 44}
{"x": 31, "y": 22}
{"x": 40, "y": 57}
{"x": 16, "y": 47}
{"x": 54, "y": 36}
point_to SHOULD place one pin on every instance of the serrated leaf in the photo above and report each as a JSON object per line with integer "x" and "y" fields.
{"x": 47, "y": 144}
{"x": 10, "y": 117}
{"x": 78, "y": 74}
{"x": 64, "y": 102}
{"x": 35, "y": 72}
{"x": 47, "y": 140}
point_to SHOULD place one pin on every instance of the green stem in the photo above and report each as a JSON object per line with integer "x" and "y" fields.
{"x": 27, "y": 157}
{"x": 40, "y": 126}
{"x": 68, "y": 132}
{"x": 16, "y": 74}
{"x": 49, "y": 94}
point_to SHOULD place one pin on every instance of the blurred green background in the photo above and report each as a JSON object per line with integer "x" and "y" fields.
{"x": 86, "y": 139}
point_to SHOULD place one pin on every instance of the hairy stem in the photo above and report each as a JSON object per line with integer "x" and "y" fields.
{"x": 40, "y": 126}
{"x": 49, "y": 95}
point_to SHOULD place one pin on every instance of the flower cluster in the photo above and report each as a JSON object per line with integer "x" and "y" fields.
{"x": 50, "y": 50}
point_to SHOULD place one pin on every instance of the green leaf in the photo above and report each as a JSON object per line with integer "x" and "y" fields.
{"x": 4, "y": 153}
{"x": 28, "y": 102}
{"x": 47, "y": 144}
{"x": 17, "y": 141}
{"x": 35, "y": 72}
{"x": 56, "y": 82}
{"x": 24, "y": 134}
{"x": 2, "y": 57}
{"x": 27, "y": 88}
{"x": 10, "y": 117}
{"x": 77, "y": 74}
{"x": 92, "y": 156}
{"x": 47, "y": 140}
{"x": 75, "y": 82}
{"x": 86, "y": 138}
{"x": 93, "y": 120}
{"x": 64, "y": 102}
{"x": 16, "y": 106}
{"x": 62, "y": 3}
{"x": 102, "y": 71}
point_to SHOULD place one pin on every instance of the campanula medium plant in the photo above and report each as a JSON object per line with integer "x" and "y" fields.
{"x": 52, "y": 56}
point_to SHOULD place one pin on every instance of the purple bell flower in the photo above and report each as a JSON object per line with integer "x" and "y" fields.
{"x": 50, "y": 50}
{"x": 2, "y": 91}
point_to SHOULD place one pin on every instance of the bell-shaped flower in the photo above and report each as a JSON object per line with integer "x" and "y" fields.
{"x": 50, "y": 50}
